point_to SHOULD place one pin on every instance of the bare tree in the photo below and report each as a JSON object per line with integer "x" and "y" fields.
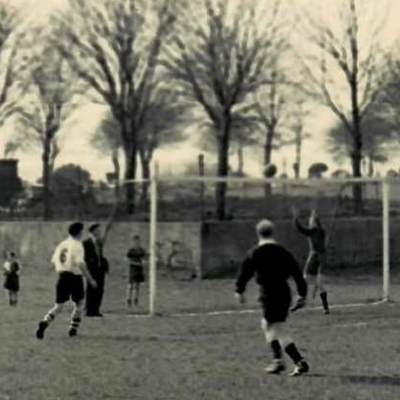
{"x": 163, "y": 125}
{"x": 113, "y": 46}
{"x": 218, "y": 60}
{"x": 378, "y": 135}
{"x": 45, "y": 107}
{"x": 299, "y": 112}
{"x": 244, "y": 132}
{"x": 270, "y": 107}
{"x": 107, "y": 140}
{"x": 12, "y": 63}
{"x": 350, "y": 61}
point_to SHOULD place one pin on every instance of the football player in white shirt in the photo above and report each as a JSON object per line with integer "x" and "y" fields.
{"x": 68, "y": 259}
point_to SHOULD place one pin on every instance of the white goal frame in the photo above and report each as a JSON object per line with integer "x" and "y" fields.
{"x": 155, "y": 179}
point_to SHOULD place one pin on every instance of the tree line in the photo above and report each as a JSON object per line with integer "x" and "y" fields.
{"x": 238, "y": 73}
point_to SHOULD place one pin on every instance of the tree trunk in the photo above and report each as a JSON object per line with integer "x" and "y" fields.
{"x": 202, "y": 186}
{"x": 240, "y": 156}
{"x": 130, "y": 175}
{"x": 46, "y": 172}
{"x": 297, "y": 168}
{"x": 357, "y": 145}
{"x": 268, "y": 157}
{"x": 356, "y": 160}
{"x": 145, "y": 160}
{"x": 129, "y": 139}
{"x": 223, "y": 167}
{"x": 117, "y": 171}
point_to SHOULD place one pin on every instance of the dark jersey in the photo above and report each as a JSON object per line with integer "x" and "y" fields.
{"x": 316, "y": 236}
{"x": 272, "y": 265}
{"x": 136, "y": 256}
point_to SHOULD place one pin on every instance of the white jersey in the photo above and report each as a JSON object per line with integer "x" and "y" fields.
{"x": 68, "y": 255}
{"x": 12, "y": 266}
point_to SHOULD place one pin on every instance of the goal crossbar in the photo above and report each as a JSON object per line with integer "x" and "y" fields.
{"x": 156, "y": 179}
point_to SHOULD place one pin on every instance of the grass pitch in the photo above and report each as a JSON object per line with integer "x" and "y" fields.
{"x": 353, "y": 353}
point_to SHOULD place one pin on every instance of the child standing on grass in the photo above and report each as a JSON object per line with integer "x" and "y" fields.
{"x": 136, "y": 256}
{"x": 11, "y": 269}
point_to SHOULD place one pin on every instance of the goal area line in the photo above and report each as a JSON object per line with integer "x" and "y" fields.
{"x": 239, "y": 312}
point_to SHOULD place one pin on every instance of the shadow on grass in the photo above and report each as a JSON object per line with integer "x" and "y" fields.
{"x": 372, "y": 380}
{"x": 362, "y": 379}
{"x": 132, "y": 339}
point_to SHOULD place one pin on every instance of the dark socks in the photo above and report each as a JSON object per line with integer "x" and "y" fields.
{"x": 324, "y": 299}
{"x": 276, "y": 349}
{"x": 293, "y": 353}
{"x": 75, "y": 323}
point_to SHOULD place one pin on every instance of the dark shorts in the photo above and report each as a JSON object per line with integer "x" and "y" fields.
{"x": 11, "y": 282}
{"x": 136, "y": 274}
{"x": 276, "y": 307}
{"x": 69, "y": 286}
{"x": 315, "y": 263}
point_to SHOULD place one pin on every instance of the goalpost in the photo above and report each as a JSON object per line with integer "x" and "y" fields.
{"x": 383, "y": 203}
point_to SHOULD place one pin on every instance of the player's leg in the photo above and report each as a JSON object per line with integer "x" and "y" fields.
{"x": 9, "y": 297}
{"x": 129, "y": 292}
{"x": 323, "y": 293}
{"x": 14, "y": 297}
{"x": 287, "y": 343}
{"x": 137, "y": 292}
{"x": 48, "y": 319}
{"x": 77, "y": 295}
{"x": 275, "y": 314}
{"x": 279, "y": 339}
{"x": 272, "y": 340}
{"x": 76, "y": 318}
{"x": 129, "y": 288}
{"x": 310, "y": 272}
{"x": 62, "y": 296}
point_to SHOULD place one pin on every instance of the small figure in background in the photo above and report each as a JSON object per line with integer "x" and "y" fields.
{"x": 11, "y": 270}
{"x": 136, "y": 256}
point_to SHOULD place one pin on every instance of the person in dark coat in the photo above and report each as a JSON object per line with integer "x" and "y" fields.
{"x": 273, "y": 265}
{"x": 97, "y": 266}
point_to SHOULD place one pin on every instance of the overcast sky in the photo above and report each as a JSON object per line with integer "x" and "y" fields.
{"x": 75, "y": 147}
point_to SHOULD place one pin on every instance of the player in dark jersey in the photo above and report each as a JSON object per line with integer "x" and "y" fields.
{"x": 316, "y": 236}
{"x": 136, "y": 256}
{"x": 273, "y": 265}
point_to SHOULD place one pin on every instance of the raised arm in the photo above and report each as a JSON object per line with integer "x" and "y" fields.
{"x": 302, "y": 229}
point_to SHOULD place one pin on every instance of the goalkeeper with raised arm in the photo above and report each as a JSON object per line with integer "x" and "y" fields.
{"x": 316, "y": 236}
{"x": 273, "y": 265}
